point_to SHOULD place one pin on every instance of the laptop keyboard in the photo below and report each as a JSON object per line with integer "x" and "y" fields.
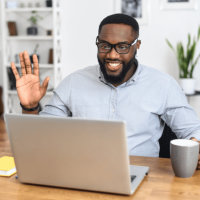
{"x": 132, "y": 177}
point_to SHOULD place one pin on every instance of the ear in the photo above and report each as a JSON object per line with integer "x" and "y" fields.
{"x": 138, "y": 44}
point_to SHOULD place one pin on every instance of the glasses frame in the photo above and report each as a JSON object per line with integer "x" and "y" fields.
{"x": 114, "y": 45}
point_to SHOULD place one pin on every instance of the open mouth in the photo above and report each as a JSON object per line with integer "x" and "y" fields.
{"x": 113, "y": 66}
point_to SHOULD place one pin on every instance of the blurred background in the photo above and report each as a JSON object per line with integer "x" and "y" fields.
{"x": 65, "y": 32}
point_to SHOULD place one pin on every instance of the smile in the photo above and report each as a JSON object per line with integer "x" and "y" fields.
{"x": 114, "y": 64}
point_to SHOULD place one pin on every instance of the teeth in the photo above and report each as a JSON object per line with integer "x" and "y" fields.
{"x": 114, "y": 64}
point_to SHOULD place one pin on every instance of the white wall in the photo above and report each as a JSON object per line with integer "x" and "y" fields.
{"x": 80, "y": 21}
{"x": 80, "y": 25}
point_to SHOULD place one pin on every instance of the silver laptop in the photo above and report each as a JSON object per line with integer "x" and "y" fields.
{"x": 73, "y": 153}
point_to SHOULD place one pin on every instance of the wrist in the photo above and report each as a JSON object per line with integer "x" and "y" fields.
{"x": 31, "y": 107}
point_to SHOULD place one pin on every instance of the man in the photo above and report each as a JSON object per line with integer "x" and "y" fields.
{"x": 119, "y": 88}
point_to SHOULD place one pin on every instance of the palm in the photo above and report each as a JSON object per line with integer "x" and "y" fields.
{"x": 29, "y": 90}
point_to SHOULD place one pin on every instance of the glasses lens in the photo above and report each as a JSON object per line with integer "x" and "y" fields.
{"x": 122, "y": 48}
{"x": 104, "y": 47}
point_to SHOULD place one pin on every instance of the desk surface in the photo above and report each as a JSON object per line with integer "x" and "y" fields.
{"x": 159, "y": 184}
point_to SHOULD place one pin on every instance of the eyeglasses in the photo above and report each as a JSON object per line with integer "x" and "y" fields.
{"x": 121, "y": 48}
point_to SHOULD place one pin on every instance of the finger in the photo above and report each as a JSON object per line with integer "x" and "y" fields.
{"x": 27, "y": 63}
{"x": 15, "y": 72}
{"x": 198, "y": 163}
{"x": 198, "y": 167}
{"x": 35, "y": 65}
{"x": 194, "y": 139}
{"x": 45, "y": 84}
{"x": 22, "y": 64}
{"x": 199, "y": 150}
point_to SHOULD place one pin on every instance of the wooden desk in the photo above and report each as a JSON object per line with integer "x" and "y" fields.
{"x": 160, "y": 184}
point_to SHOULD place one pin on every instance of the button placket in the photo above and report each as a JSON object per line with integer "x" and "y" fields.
{"x": 113, "y": 103}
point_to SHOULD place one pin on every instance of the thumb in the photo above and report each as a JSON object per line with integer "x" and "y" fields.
{"x": 194, "y": 139}
{"x": 45, "y": 84}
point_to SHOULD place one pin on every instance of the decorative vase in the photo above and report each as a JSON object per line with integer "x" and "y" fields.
{"x": 32, "y": 30}
{"x": 188, "y": 85}
{"x": 48, "y": 3}
{"x": 31, "y": 58}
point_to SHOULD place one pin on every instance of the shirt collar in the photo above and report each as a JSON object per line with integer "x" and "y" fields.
{"x": 100, "y": 75}
{"x": 135, "y": 75}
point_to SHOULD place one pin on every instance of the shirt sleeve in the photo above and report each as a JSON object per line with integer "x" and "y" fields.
{"x": 179, "y": 115}
{"x": 58, "y": 103}
{"x": 56, "y": 107}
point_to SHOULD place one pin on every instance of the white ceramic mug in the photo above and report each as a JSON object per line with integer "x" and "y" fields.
{"x": 184, "y": 157}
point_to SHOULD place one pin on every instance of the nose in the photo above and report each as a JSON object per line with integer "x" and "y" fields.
{"x": 113, "y": 54}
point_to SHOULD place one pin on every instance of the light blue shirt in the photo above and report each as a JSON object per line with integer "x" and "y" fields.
{"x": 147, "y": 99}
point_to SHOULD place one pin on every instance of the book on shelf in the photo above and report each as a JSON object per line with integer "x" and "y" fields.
{"x": 1, "y": 101}
{"x": 11, "y": 78}
{"x": 12, "y": 28}
{"x": 50, "y": 56}
{"x": 7, "y": 166}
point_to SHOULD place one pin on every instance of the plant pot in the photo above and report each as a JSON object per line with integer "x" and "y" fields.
{"x": 188, "y": 85}
{"x": 32, "y": 30}
{"x": 49, "y": 3}
{"x": 31, "y": 58}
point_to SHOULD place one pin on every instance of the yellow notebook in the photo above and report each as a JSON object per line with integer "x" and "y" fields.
{"x": 7, "y": 166}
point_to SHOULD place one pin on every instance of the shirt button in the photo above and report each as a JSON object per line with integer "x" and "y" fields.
{"x": 113, "y": 110}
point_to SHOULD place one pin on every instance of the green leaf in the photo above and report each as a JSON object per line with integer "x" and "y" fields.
{"x": 189, "y": 39}
{"x": 193, "y": 50}
{"x": 193, "y": 65}
{"x": 39, "y": 17}
{"x": 185, "y": 57}
{"x": 198, "y": 34}
{"x": 170, "y": 44}
{"x": 181, "y": 61}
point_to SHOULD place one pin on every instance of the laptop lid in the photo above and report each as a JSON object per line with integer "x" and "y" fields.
{"x": 70, "y": 152}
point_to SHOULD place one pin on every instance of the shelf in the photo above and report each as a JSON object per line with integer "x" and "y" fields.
{"x": 46, "y": 66}
{"x": 41, "y": 9}
{"x": 29, "y": 38}
{"x": 14, "y": 92}
{"x": 21, "y": 40}
{"x": 195, "y": 94}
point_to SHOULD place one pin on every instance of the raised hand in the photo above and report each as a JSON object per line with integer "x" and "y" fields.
{"x": 29, "y": 90}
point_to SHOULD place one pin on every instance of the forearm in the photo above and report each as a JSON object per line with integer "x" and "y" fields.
{"x": 195, "y": 134}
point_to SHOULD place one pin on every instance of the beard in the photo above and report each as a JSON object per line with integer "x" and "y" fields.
{"x": 120, "y": 77}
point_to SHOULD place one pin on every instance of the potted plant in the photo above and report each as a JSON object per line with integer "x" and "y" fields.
{"x": 187, "y": 63}
{"x": 33, "y": 19}
{"x": 48, "y": 3}
{"x": 35, "y": 52}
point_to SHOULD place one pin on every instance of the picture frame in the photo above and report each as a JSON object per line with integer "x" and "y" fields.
{"x": 141, "y": 10}
{"x": 178, "y": 5}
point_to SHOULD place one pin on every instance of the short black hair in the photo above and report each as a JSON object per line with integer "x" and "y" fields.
{"x": 120, "y": 18}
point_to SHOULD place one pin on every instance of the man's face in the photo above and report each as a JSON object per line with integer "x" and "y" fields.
{"x": 117, "y": 68}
